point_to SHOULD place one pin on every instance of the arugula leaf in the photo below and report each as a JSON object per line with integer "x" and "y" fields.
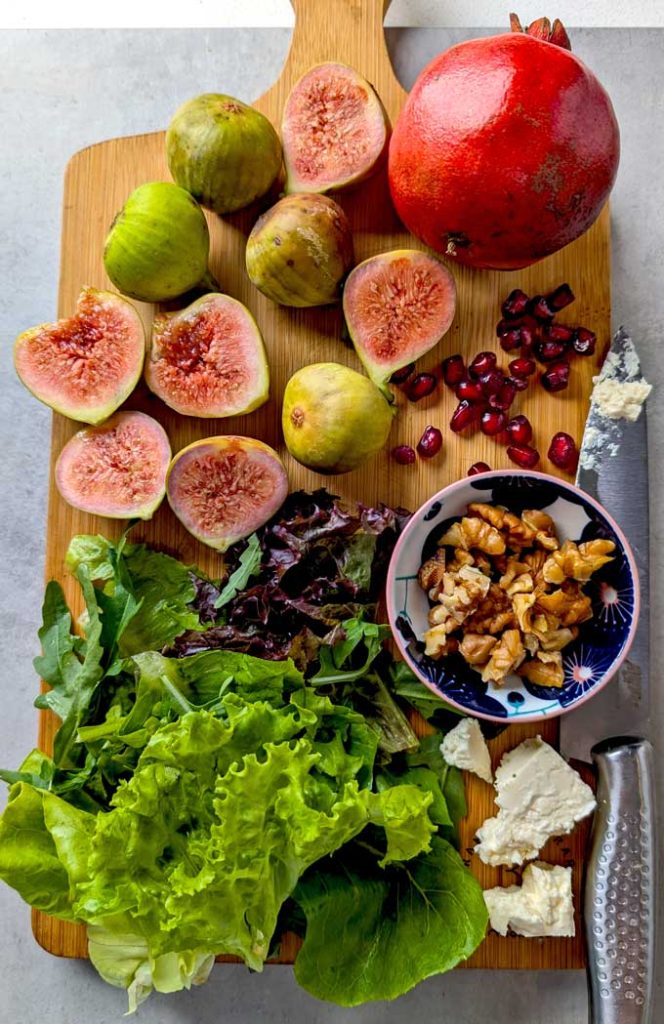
{"x": 370, "y": 937}
{"x": 249, "y": 565}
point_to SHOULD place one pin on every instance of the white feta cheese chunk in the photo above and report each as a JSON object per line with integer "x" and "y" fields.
{"x": 465, "y": 748}
{"x": 539, "y": 796}
{"x": 541, "y": 905}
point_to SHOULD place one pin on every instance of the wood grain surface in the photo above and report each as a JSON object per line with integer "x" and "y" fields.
{"x": 99, "y": 179}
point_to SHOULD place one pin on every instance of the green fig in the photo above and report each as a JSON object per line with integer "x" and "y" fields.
{"x": 158, "y": 245}
{"x": 334, "y": 418}
{"x": 299, "y": 252}
{"x": 222, "y": 151}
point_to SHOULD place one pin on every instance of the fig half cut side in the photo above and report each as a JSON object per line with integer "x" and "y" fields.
{"x": 397, "y": 305}
{"x": 224, "y": 488}
{"x": 87, "y": 365}
{"x": 117, "y": 469}
{"x": 334, "y": 130}
{"x": 208, "y": 359}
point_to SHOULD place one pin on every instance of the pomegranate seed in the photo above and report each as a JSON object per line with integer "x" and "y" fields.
{"x": 454, "y": 370}
{"x": 522, "y": 367}
{"x": 421, "y": 386}
{"x": 556, "y": 378}
{"x": 560, "y": 297}
{"x": 523, "y": 455}
{"x": 520, "y": 430}
{"x": 540, "y": 309}
{"x": 462, "y": 417}
{"x": 482, "y": 363}
{"x": 558, "y": 332}
{"x": 512, "y": 339}
{"x": 404, "y": 454}
{"x": 514, "y": 305}
{"x": 469, "y": 391}
{"x": 502, "y": 327}
{"x": 504, "y": 398}
{"x": 402, "y": 375}
{"x": 550, "y": 351}
{"x": 478, "y": 467}
{"x": 519, "y": 383}
{"x": 584, "y": 342}
{"x": 528, "y": 339}
{"x": 492, "y": 422}
{"x": 492, "y": 382}
{"x": 563, "y": 452}
{"x": 430, "y": 442}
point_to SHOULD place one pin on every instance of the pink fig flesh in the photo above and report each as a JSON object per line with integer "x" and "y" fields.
{"x": 87, "y": 365}
{"x": 208, "y": 359}
{"x": 397, "y": 305}
{"x": 334, "y": 130}
{"x": 223, "y": 488}
{"x": 117, "y": 469}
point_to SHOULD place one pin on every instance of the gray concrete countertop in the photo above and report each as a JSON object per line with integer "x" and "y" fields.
{"x": 60, "y": 91}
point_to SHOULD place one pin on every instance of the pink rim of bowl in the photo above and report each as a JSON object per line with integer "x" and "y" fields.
{"x": 527, "y": 475}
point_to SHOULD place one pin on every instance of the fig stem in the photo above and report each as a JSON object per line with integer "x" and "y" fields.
{"x": 208, "y": 283}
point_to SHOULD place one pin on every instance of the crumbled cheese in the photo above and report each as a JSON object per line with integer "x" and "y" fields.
{"x": 541, "y": 905}
{"x": 620, "y": 400}
{"x": 465, "y": 748}
{"x": 618, "y": 394}
{"x": 539, "y": 796}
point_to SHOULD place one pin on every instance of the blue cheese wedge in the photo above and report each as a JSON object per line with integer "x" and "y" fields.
{"x": 465, "y": 748}
{"x": 542, "y": 905}
{"x": 538, "y": 796}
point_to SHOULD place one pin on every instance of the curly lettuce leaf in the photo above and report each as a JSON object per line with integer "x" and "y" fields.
{"x": 370, "y": 937}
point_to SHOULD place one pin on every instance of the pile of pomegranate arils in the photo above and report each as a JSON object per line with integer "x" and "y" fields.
{"x": 486, "y": 392}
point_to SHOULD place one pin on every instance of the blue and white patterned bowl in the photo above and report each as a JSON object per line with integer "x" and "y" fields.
{"x": 603, "y": 641}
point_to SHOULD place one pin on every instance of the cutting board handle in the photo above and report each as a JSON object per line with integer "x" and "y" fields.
{"x": 326, "y": 28}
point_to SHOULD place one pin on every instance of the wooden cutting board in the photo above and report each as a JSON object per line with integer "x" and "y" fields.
{"x": 99, "y": 179}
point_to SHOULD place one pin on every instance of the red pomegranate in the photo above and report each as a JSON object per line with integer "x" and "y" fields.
{"x": 506, "y": 149}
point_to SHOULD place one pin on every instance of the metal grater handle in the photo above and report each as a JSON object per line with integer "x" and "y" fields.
{"x": 620, "y": 888}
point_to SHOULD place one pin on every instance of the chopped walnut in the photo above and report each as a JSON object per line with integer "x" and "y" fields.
{"x": 432, "y": 571}
{"x": 569, "y": 605}
{"x": 518, "y": 534}
{"x": 506, "y": 657}
{"x": 506, "y": 594}
{"x": 543, "y": 527}
{"x": 477, "y": 649}
{"x": 493, "y": 614}
{"x": 544, "y": 670}
{"x": 474, "y": 533}
{"x": 577, "y": 562}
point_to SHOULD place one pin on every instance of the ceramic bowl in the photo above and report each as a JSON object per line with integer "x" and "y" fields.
{"x": 589, "y": 661}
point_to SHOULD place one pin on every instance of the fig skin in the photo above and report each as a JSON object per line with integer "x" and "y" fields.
{"x": 48, "y": 358}
{"x": 299, "y": 252}
{"x": 319, "y": 133}
{"x": 334, "y": 418}
{"x": 192, "y": 376}
{"x": 244, "y": 473}
{"x": 157, "y": 247}
{"x": 225, "y": 153}
{"x": 91, "y": 471}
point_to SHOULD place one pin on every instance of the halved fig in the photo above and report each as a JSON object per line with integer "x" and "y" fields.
{"x": 334, "y": 130}
{"x": 397, "y": 305}
{"x": 223, "y": 488}
{"x": 208, "y": 359}
{"x": 87, "y": 365}
{"x": 117, "y": 469}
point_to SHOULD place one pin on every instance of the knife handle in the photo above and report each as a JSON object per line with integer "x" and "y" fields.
{"x": 619, "y": 900}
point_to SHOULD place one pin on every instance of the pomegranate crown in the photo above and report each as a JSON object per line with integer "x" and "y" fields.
{"x": 544, "y": 30}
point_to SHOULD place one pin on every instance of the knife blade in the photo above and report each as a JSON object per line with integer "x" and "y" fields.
{"x": 620, "y": 886}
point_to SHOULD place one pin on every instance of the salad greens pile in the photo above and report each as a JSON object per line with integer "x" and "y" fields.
{"x": 203, "y": 803}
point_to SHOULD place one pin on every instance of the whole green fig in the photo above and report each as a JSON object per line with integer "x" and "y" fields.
{"x": 222, "y": 151}
{"x": 157, "y": 247}
{"x": 299, "y": 252}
